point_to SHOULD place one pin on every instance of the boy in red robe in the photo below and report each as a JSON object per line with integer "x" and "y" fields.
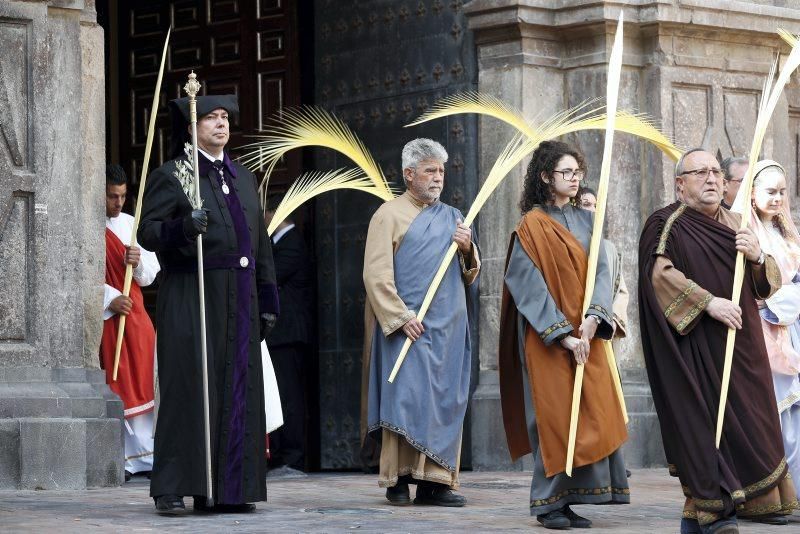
{"x": 134, "y": 383}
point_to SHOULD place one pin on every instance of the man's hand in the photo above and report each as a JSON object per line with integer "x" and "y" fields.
{"x": 463, "y": 237}
{"x": 195, "y": 223}
{"x": 267, "y": 324}
{"x": 578, "y": 347}
{"x": 747, "y": 243}
{"x": 726, "y": 312}
{"x": 121, "y": 305}
{"x": 588, "y": 327}
{"x": 413, "y": 329}
{"x": 132, "y": 256}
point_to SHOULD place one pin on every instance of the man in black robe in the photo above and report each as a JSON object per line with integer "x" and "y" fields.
{"x": 289, "y": 342}
{"x": 687, "y": 256}
{"x": 241, "y": 304}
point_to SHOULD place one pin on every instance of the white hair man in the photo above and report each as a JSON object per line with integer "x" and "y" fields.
{"x": 419, "y": 416}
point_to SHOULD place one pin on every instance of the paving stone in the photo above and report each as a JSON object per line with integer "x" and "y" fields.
{"x": 497, "y": 502}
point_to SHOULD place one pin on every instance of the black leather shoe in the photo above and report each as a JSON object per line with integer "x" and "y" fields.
{"x": 438, "y": 495}
{"x": 170, "y": 505}
{"x": 576, "y": 521}
{"x": 201, "y": 506}
{"x": 398, "y": 495}
{"x": 555, "y": 520}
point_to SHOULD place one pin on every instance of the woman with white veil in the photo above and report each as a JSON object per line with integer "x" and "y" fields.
{"x": 772, "y": 222}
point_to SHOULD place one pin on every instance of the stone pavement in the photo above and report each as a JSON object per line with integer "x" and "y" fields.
{"x": 348, "y": 502}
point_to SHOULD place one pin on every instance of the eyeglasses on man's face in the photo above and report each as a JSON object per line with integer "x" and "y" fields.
{"x": 571, "y": 174}
{"x": 703, "y": 173}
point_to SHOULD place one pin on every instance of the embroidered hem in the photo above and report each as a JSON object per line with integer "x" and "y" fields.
{"x": 753, "y": 490}
{"x": 418, "y": 475}
{"x": 135, "y": 456}
{"x": 599, "y": 309}
{"x": 139, "y": 410}
{"x": 553, "y": 327}
{"x": 788, "y": 402}
{"x": 414, "y": 443}
{"x": 692, "y": 314}
{"x": 679, "y": 299}
{"x": 773, "y": 274}
{"x": 397, "y": 323}
{"x": 582, "y": 492}
{"x": 662, "y": 241}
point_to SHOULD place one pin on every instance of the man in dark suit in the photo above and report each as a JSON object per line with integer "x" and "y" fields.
{"x": 288, "y": 342}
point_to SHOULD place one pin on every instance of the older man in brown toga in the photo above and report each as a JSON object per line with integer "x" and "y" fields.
{"x": 687, "y": 256}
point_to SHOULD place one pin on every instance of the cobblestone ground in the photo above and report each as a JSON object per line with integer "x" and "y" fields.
{"x": 348, "y": 502}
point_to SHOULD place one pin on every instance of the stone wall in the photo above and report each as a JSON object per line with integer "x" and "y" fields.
{"x": 696, "y": 67}
{"x": 59, "y": 423}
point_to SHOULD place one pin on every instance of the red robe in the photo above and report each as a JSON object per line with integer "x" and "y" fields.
{"x": 134, "y": 383}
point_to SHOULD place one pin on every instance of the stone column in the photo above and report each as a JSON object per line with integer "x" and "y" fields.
{"x": 695, "y": 66}
{"x": 60, "y": 425}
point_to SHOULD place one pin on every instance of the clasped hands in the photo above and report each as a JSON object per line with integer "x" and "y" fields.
{"x": 579, "y": 346}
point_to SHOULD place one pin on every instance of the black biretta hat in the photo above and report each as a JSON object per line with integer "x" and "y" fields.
{"x": 179, "y": 116}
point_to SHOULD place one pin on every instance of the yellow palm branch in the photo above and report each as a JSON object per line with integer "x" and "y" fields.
{"x": 769, "y": 100}
{"x": 311, "y": 126}
{"x": 637, "y": 124}
{"x": 612, "y": 97}
{"x": 789, "y": 38}
{"x": 311, "y": 184}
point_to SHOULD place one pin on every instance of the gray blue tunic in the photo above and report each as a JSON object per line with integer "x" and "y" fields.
{"x": 428, "y": 399}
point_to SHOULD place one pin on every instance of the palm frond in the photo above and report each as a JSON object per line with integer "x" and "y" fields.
{"x": 475, "y": 102}
{"x": 513, "y": 153}
{"x": 637, "y": 124}
{"x": 311, "y": 126}
{"x": 769, "y": 100}
{"x": 311, "y": 184}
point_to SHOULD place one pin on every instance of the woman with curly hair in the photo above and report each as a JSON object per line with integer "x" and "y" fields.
{"x": 544, "y": 335}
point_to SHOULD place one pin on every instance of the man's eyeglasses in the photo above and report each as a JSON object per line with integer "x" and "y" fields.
{"x": 568, "y": 174}
{"x": 703, "y": 173}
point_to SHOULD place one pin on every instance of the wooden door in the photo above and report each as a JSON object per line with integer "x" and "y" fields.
{"x": 242, "y": 47}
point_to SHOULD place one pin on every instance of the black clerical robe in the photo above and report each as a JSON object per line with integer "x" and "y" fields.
{"x": 239, "y": 286}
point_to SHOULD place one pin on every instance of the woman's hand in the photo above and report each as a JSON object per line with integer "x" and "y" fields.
{"x": 588, "y": 327}
{"x": 578, "y": 347}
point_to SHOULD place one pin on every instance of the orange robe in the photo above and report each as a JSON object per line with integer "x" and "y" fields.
{"x": 562, "y": 261}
